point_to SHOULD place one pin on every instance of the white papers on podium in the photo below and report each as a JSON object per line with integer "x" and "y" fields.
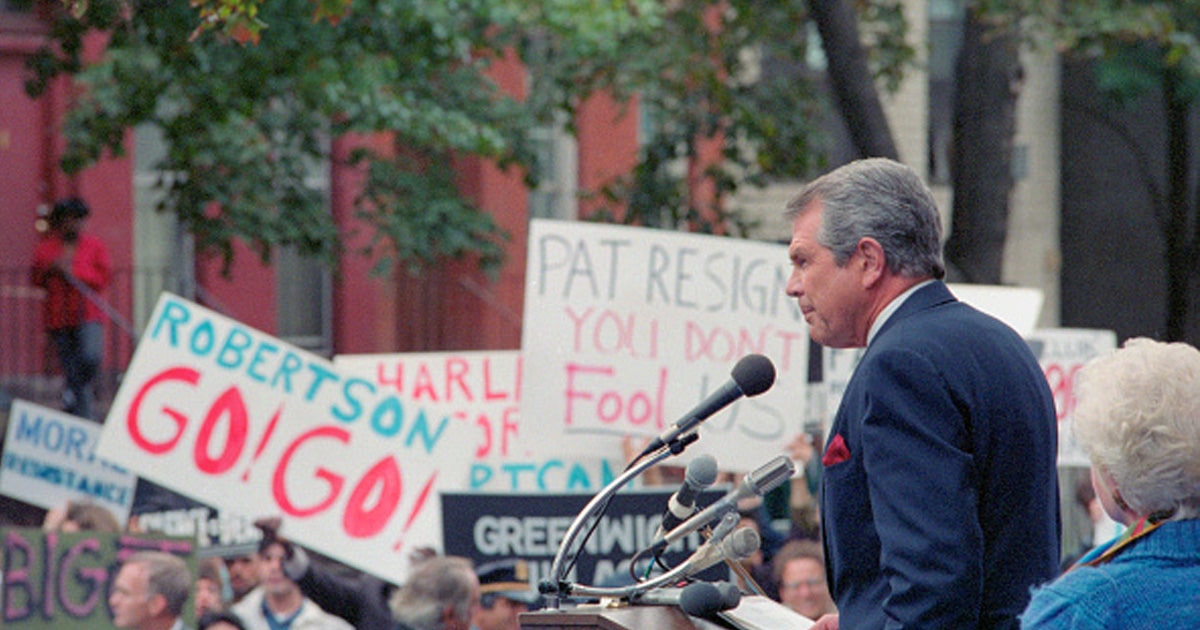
{"x": 756, "y": 612}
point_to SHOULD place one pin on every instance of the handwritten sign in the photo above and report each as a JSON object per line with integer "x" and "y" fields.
{"x": 626, "y": 329}
{"x": 1062, "y": 352}
{"x": 62, "y": 580}
{"x": 481, "y": 390}
{"x": 242, "y": 421}
{"x": 50, "y": 458}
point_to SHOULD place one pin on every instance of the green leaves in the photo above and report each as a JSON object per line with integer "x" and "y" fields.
{"x": 249, "y": 94}
{"x": 248, "y": 125}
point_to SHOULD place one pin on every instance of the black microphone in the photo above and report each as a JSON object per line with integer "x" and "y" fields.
{"x": 753, "y": 375}
{"x": 731, "y": 595}
{"x": 700, "y": 474}
{"x": 698, "y": 599}
{"x": 758, "y": 482}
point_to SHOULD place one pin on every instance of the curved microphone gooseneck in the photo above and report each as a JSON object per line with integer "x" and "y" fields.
{"x": 752, "y": 375}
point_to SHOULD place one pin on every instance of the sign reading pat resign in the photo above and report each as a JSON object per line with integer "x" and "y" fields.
{"x": 625, "y": 329}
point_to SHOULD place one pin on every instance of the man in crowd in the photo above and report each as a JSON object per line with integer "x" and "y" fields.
{"x": 798, "y": 573}
{"x": 939, "y": 495}
{"x": 441, "y": 593}
{"x": 244, "y": 574}
{"x": 504, "y": 594}
{"x": 277, "y": 603}
{"x": 150, "y": 591}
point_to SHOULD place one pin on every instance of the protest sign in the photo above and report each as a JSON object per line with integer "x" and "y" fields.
{"x": 245, "y": 422}
{"x": 480, "y": 389}
{"x": 62, "y": 580}
{"x": 489, "y": 527}
{"x": 626, "y": 329}
{"x": 216, "y": 533}
{"x": 1062, "y": 352}
{"x": 50, "y": 458}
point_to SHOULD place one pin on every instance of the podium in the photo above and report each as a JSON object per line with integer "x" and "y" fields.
{"x": 616, "y": 618}
{"x": 755, "y": 612}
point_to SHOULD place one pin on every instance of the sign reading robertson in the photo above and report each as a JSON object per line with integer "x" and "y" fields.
{"x": 242, "y": 421}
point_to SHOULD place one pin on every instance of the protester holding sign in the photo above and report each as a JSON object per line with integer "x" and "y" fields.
{"x": 81, "y": 516}
{"x": 939, "y": 498}
{"x": 1138, "y": 419}
{"x": 277, "y": 603}
{"x": 362, "y": 605}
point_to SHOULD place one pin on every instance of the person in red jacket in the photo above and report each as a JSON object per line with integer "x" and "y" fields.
{"x": 73, "y": 267}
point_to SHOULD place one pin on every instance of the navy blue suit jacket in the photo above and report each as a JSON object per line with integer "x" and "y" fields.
{"x": 944, "y": 513}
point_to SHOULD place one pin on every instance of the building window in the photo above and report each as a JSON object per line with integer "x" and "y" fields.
{"x": 556, "y": 169}
{"x": 945, "y": 40}
{"x": 304, "y": 293}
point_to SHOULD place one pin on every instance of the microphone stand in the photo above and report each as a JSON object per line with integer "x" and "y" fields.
{"x": 557, "y": 585}
{"x": 626, "y": 592}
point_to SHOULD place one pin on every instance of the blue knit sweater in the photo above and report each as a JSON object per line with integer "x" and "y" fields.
{"x": 1155, "y": 583}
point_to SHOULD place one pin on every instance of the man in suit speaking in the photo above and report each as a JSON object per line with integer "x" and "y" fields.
{"x": 939, "y": 496}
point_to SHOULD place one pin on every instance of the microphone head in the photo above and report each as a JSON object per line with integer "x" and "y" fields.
{"x": 731, "y": 595}
{"x": 743, "y": 542}
{"x": 754, "y": 374}
{"x": 702, "y": 471}
{"x": 701, "y": 599}
{"x": 771, "y": 474}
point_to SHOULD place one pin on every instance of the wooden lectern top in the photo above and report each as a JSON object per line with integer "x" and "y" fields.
{"x": 616, "y": 618}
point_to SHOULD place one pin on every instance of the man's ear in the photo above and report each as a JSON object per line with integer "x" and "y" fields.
{"x": 157, "y": 604}
{"x": 872, "y": 259}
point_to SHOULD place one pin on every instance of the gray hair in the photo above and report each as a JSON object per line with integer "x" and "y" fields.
{"x": 436, "y": 583}
{"x": 1138, "y": 418}
{"x": 882, "y": 199}
{"x": 167, "y": 575}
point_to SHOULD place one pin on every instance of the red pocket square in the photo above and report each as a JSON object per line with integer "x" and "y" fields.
{"x": 837, "y": 451}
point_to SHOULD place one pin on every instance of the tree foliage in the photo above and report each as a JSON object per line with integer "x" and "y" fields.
{"x": 1143, "y": 47}
{"x": 248, "y": 95}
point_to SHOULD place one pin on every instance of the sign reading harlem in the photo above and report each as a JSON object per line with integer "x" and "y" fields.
{"x": 242, "y": 421}
{"x": 625, "y": 329}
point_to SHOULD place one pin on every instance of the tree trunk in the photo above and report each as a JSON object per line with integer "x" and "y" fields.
{"x": 1179, "y": 271}
{"x": 857, "y": 96}
{"x": 988, "y": 77}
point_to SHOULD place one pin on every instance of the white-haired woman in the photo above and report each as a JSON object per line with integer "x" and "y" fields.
{"x": 1138, "y": 419}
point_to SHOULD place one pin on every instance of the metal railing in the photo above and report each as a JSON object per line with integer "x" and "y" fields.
{"x": 28, "y": 365}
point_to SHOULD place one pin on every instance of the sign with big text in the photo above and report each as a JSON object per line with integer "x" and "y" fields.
{"x": 531, "y": 527}
{"x": 50, "y": 458}
{"x": 62, "y": 580}
{"x": 245, "y": 422}
{"x": 626, "y": 329}
{"x": 483, "y": 390}
{"x": 480, "y": 389}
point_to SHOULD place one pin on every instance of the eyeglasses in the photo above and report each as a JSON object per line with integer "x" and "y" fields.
{"x": 810, "y": 583}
